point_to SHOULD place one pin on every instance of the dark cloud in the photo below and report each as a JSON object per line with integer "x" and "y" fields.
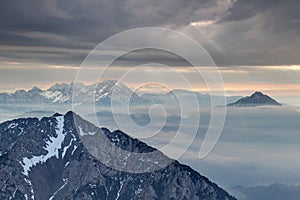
{"x": 260, "y": 33}
{"x": 256, "y": 32}
{"x": 81, "y": 24}
{"x": 245, "y": 9}
{"x": 145, "y": 56}
{"x": 91, "y": 21}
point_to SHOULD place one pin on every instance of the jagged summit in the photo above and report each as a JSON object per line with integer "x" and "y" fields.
{"x": 256, "y": 99}
{"x": 35, "y": 89}
{"x": 57, "y": 115}
{"x": 47, "y": 159}
{"x": 63, "y": 93}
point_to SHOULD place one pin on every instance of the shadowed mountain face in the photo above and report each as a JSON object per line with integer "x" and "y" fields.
{"x": 47, "y": 159}
{"x": 256, "y": 99}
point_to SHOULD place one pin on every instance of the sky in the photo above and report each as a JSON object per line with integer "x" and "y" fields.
{"x": 255, "y": 44}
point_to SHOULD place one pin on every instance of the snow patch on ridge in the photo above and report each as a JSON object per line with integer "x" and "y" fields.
{"x": 59, "y": 189}
{"x": 52, "y": 146}
{"x": 12, "y": 125}
{"x": 82, "y": 133}
{"x": 55, "y": 96}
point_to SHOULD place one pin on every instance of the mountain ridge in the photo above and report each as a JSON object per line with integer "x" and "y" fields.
{"x": 48, "y": 160}
{"x": 102, "y": 93}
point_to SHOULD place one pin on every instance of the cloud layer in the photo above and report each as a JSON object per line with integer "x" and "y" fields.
{"x": 247, "y": 32}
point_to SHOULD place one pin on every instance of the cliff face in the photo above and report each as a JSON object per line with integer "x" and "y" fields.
{"x": 47, "y": 159}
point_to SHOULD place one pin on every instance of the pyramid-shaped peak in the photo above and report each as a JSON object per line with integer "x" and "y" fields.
{"x": 35, "y": 89}
{"x": 258, "y": 93}
{"x": 256, "y": 99}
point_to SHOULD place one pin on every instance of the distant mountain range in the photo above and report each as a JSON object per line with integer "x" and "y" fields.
{"x": 62, "y": 93}
{"x": 102, "y": 93}
{"x": 277, "y": 191}
{"x": 256, "y": 99}
{"x": 46, "y": 159}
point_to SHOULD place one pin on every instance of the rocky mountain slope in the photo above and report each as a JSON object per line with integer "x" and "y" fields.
{"x": 256, "y": 99}
{"x": 47, "y": 159}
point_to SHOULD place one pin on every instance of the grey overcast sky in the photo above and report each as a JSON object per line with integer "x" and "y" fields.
{"x": 47, "y": 40}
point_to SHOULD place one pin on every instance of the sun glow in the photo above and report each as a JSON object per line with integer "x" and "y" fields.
{"x": 202, "y": 23}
